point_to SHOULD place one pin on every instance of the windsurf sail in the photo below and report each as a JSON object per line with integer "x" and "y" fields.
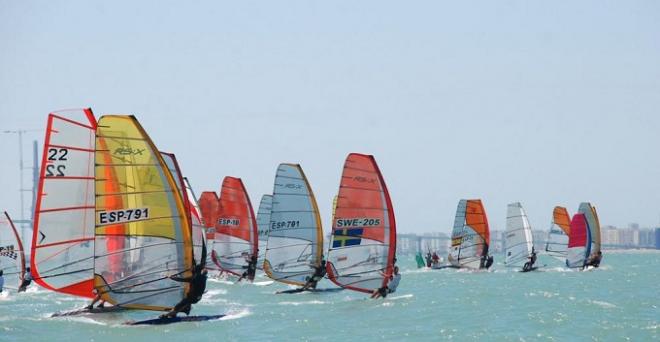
{"x": 295, "y": 240}
{"x": 142, "y": 234}
{"x": 470, "y": 236}
{"x": 236, "y": 237}
{"x": 208, "y": 207}
{"x": 519, "y": 241}
{"x": 363, "y": 243}
{"x": 591, "y": 216}
{"x": 12, "y": 256}
{"x": 419, "y": 259}
{"x": 62, "y": 253}
{"x": 579, "y": 242}
{"x": 198, "y": 229}
{"x": 560, "y": 229}
{"x": 263, "y": 226}
{"x": 198, "y": 238}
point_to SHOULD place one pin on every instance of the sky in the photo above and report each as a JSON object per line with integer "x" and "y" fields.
{"x": 545, "y": 102}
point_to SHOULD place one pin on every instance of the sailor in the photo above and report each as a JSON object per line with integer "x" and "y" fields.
{"x": 197, "y": 286}
{"x": 251, "y": 268}
{"x": 96, "y": 299}
{"x": 2, "y": 280}
{"x": 436, "y": 258}
{"x": 530, "y": 264}
{"x": 428, "y": 259}
{"x": 489, "y": 261}
{"x": 319, "y": 273}
{"x": 595, "y": 260}
{"x": 391, "y": 285}
{"x": 26, "y": 280}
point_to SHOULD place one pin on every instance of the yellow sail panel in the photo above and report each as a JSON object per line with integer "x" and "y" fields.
{"x": 142, "y": 234}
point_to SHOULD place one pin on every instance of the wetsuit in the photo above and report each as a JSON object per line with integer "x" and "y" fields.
{"x": 27, "y": 280}
{"x": 319, "y": 273}
{"x": 2, "y": 281}
{"x": 195, "y": 293}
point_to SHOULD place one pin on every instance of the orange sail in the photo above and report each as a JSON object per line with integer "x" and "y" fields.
{"x": 361, "y": 255}
{"x": 236, "y": 236}
{"x": 560, "y": 217}
{"x": 208, "y": 207}
{"x": 475, "y": 217}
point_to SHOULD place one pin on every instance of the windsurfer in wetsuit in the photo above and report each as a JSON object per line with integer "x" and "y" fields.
{"x": 251, "y": 268}
{"x": 2, "y": 280}
{"x": 96, "y": 299}
{"x": 428, "y": 259}
{"x": 595, "y": 260}
{"x": 319, "y": 273}
{"x": 391, "y": 285}
{"x": 27, "y": 280}
{"x": 197, "y": 286}
{"x": 530, "y": 264}
{"x": 436, "y": 259}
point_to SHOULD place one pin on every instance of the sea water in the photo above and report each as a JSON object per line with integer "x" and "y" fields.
{"x": 618, "y": 301}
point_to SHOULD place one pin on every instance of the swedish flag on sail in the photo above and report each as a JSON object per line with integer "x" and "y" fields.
{"x": 347, "y": 237}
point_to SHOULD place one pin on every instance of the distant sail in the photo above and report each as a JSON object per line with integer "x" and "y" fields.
{"x": 295, "y": 240}
{"x": 199, "y": 231}
{"x": 142, "y": 231}
{"x": 470, "y": 237}
{"x": 12, "y": 257}
{"x": 591, "y": 216}
{"x": 519, "y": 241}
{"x": 263, "y": 226}
{"x": 190, "y": 203}
{"x": 560, "y": 229}
{"x": 363, "y": 246}
{"x": 579, "y": 242}
{"x": 62, "y": 257}
{"x": 208, "y": 207}
{"x": 236, "y": 236}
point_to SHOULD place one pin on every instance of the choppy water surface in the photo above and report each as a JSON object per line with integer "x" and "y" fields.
{"x": 618, "y": 301}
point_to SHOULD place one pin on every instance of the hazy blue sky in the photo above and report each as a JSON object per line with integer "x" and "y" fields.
{"x": 542, "y": 102}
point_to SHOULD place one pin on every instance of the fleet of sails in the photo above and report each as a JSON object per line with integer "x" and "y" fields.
{"x": 116, "y": 219}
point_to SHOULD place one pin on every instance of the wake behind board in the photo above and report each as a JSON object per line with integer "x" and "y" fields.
{"x": 310, "y": 290}
{"x": 88, "y": 311}
{"x": 162, "y": 321}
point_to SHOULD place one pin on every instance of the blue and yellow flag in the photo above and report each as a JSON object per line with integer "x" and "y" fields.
{"x": 347, "y": 237}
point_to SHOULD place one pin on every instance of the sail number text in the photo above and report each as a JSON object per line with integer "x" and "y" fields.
{"x": 55, "y": 155}
{"x": 357, "y": 222}
{"x": 284, "y": 224}
{"x": 123, "y": 215}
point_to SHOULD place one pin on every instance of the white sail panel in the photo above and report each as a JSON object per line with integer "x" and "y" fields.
{"x": 62, "y": 256}
{"x": 518, "y": 236}
{"x": 263, "y": 226}
{"x": 295, "y": 240}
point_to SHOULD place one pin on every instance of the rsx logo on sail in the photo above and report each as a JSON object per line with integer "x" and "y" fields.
{"x": 128, "y": 151}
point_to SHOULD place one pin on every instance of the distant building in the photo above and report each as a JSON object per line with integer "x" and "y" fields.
{"x": 657, "y": 238}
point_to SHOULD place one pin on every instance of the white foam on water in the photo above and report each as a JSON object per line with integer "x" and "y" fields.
{"x": 83, "y": 319}
{"x": 220, "y": 281}
{"x": 236, "y": 315}
{"x": 405, "y": 296}
{"x": 263, "y": 283}
{"x": 312, "y": 302}
{"x": 603, "y": 304}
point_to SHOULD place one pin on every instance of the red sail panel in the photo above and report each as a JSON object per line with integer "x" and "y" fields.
{"x": 363, "y": 246}
{"x": 561, "y": 218}
{"x": 236, "y": 236}
{"x": 208, "y": 205}
{"x": 578, "y": 235}
{"x": 475, "y": 217}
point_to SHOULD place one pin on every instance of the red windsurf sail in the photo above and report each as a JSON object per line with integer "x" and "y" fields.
{"x": 236, "y": 236}
{"x": 363, "y": 246}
